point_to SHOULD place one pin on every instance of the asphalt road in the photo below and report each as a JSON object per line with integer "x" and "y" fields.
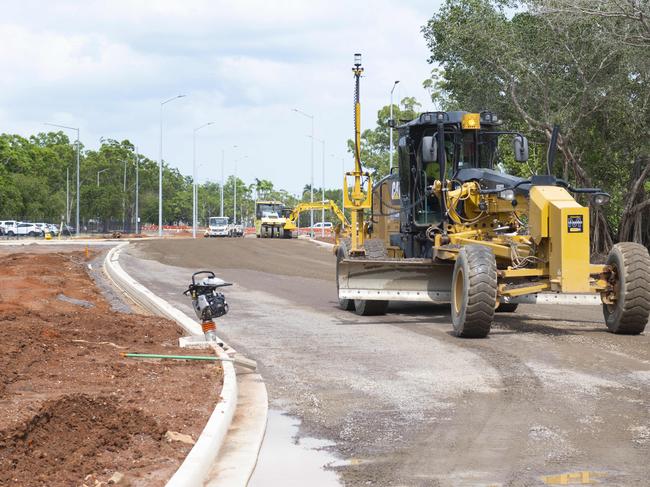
{"x": 549, "y": 392}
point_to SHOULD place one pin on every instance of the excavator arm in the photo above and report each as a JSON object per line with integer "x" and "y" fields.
{"x": 316, "y": 205}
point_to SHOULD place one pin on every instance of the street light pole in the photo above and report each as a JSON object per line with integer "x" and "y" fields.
{"x": 98, "y": 173}
{"x": 311, "y": 212}
{"x": 124, "y": 200}
{"x": 194, "y": 177}
{"x": 78, "y": 148}
{"x": 223, "y": 160}
{"x": 390, "y": 152}
{"x": 160, "y": 169}
{"x": 322, "y": 193}
{"x": 322, "y": 211}
{"x": 137, "y": 191}
{"x": 67, "y": 196}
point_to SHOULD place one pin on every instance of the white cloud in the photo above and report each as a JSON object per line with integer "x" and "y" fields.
{"x": 105, "y": 66}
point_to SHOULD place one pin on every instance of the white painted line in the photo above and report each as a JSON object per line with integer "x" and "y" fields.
{"x": 196, "y": 466}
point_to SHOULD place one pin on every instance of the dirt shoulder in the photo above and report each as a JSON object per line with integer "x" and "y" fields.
{"x": 72, "y": 410}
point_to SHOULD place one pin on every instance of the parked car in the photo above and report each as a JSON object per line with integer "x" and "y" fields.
{"x": 29, "y": 229}
{"x": 7, "y": 225}
{"x": 45, "y": 227}
{"x": 323, "y": 225}
{"x": 67, "y": 230}
{"x": 54, "y": 229}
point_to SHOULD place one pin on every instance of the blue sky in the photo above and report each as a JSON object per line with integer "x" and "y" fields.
{"x": 106, "y": 66}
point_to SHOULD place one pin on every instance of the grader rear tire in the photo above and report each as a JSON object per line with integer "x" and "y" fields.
{"x": 630, "y": 264}
{"x": 473, "y": 292}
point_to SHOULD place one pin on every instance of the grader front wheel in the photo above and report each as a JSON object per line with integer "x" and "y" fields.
{"x": 474, "y": 292}
{"x": 342, "y": 253}
{"x": 629, "y": 306}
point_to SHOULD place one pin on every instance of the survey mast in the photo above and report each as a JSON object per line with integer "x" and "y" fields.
{"x": 359, "y": 198}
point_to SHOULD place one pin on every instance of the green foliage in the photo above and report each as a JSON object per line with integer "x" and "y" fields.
{"x": 549, "y": 63}
{"x": 33, "y": 186}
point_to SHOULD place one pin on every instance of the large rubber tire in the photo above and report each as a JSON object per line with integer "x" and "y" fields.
{"x": 367, "y": 307}
{"x": 375, "y": 249}
{"x": 507, "y": 307}
{"x": 10, "y": 233}
{"x": 630, "y": 264}
{"x": 31, "y": 234}
{"x": 342, "y": 253}
{"x": 473, "y": 292}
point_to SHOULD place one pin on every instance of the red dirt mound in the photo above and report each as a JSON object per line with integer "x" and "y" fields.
{"x": 72, "y": 410}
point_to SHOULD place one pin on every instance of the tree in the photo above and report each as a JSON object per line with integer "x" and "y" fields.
{"x": 537, "y": 69}
{"x": 33, "y": 185}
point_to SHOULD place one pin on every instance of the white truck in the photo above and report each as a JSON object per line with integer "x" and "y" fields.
{"x": 218, "y": 226}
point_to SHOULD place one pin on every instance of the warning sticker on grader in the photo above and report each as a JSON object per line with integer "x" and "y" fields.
{"x": 574, "y": 223}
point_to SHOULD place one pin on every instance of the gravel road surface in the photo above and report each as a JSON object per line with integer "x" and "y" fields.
{"x": 405, "y": 403}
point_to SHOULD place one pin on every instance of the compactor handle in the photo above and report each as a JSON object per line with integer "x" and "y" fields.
{"x": 198, "y": 273}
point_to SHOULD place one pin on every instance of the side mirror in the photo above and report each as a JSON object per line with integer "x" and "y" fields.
{"x": 429, "y": 149}
{"x": 392, "y": 123}
{"x": 520, "y": 146}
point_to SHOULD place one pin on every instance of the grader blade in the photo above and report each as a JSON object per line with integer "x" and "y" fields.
{"x": 395, "y": 280}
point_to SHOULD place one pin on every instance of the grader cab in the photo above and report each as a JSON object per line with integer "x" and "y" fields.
{"x": 451, "y": 227}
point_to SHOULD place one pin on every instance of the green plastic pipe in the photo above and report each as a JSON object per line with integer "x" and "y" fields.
{"x": 174, "y": 357}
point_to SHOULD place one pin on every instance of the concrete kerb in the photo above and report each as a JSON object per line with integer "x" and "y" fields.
{"x": 195, "y": 468}
{"x": 327, "y": 245}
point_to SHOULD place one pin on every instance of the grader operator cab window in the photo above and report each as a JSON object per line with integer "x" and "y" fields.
{"x": 463, "y": 149}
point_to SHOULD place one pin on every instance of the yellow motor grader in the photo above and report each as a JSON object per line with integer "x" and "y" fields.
{"x": 450, "y": 227}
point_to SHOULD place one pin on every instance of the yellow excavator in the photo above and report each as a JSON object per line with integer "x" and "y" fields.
{"x": 451, "y": 227}
{"x": 343, "y": 227}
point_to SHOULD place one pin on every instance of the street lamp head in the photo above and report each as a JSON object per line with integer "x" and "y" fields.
{"x": 397, "y": 81}
{"x": 357, "y": 59}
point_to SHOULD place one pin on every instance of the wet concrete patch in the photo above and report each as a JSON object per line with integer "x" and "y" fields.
{"x": 287, "y": 459}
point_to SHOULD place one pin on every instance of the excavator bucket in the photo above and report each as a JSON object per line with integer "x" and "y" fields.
{"x": 394, "y": 280}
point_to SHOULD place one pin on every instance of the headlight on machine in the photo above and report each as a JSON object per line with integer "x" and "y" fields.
{"x": 507, "y": 194}
{"x": 600, "y": 199}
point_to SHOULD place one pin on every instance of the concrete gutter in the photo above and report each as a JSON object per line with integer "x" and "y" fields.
{"x": 195, "y": 469}
{"x": 326, "y": 245}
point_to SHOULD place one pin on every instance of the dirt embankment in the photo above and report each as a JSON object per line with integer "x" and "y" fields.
{"x": 72, "y": 410}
